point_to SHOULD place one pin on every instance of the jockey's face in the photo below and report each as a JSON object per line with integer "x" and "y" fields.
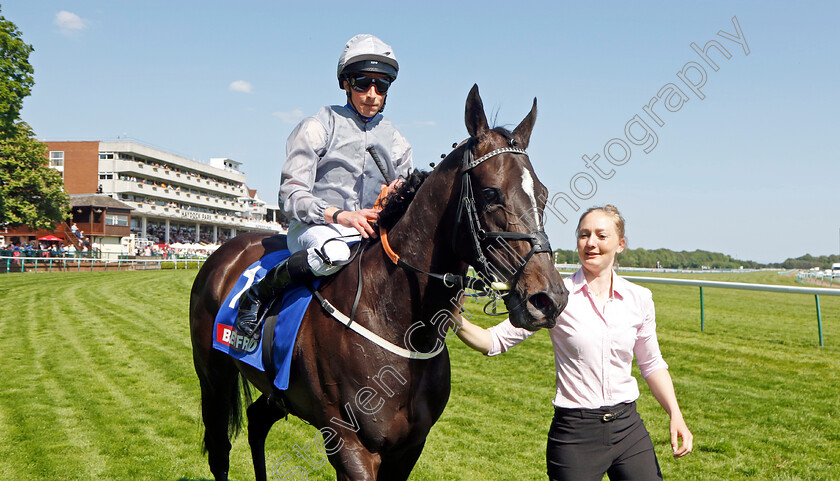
{"x": 368, "y": 102}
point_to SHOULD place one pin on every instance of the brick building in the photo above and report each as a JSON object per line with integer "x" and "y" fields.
{"x": 125, "y": 195}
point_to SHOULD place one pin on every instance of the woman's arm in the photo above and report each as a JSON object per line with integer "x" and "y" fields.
{"x": 473, "y": 336}
{"x": 662, "y": 387}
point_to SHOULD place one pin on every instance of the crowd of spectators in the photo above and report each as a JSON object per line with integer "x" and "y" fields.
{"x": 176, "y": 205}
{"x": 176, "y": 169}
{"x": 48, "y": 249}
{"x": 180, "y": 234}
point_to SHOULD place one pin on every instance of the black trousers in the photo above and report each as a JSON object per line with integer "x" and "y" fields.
{"x": 583, "y": 446}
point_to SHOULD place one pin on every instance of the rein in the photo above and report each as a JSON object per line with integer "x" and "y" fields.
{"x": 448, "y": 279}
{"x": 487, "y": 280}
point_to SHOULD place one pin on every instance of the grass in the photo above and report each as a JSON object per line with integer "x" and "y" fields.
{"x": 98, "y": 384}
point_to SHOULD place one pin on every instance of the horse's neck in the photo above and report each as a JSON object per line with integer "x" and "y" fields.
{"x": 422, "y": 238}
{"x": 427, "y": 215}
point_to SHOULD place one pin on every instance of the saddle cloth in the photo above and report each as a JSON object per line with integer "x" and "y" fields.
{"x": 289, "y": 315}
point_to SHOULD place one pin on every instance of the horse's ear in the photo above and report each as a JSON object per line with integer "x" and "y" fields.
{"x": 474, "y": 115}
{"x": 523, "y": 130}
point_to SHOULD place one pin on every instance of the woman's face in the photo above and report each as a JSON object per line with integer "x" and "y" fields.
{"x": 598, "y": 242}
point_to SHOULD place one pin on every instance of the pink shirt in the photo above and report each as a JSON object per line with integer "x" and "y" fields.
{"x": 593, "y": 350}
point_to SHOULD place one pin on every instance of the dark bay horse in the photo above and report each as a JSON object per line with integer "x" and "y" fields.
{"x": 481, "y": 206}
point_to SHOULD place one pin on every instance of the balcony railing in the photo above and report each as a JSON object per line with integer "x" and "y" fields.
{"x": 203, "y": 217}
{"x": 175, "y": 195}
{"x": 168, "y": 176}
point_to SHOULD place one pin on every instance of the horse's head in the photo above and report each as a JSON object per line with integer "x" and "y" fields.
{"x": 499, "y": 216}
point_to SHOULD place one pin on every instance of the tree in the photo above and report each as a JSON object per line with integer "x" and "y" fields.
{"x": 16, "y": 75}
{"x": 31, "y": 193}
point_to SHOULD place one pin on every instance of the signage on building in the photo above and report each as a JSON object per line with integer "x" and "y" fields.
{"x": 196, "y": 215}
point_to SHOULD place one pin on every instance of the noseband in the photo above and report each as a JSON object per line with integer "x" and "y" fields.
{"x": 467, "y": 213}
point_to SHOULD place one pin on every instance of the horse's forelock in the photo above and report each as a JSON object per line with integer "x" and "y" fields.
{"x": 507, "y": 134}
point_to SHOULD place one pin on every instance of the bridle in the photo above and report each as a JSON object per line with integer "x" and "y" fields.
{"x": 467, "y": 213}
{"x": 485, "y": 283}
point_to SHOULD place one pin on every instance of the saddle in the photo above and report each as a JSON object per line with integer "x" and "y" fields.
{"x": 282, "y": 316}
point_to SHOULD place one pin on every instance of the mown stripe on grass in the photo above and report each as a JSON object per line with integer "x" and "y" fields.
{"x": 759, "y": 396}
{"x": 42, "y": 411}
{"x": 96, "y": 377}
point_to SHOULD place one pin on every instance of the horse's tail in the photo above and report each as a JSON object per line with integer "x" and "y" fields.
{"x": 222, "y": 403}
{"x": 235, "y": 420}
{"x": 222, "y": 385}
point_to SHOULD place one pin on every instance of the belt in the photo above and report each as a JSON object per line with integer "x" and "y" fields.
{"x": 606, "y": 414}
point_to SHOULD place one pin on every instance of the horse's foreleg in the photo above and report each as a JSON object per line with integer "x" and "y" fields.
{"x": 355, "y": 463}
{"x": 398, "y": 466}
{"x": 262, "y": 414}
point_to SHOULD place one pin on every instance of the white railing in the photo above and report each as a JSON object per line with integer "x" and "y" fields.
{"x": 738, "y": 285}
{"x": 86, "y": 264}
{"x": 815, "y": 291}
{"x": 820, "y": 277}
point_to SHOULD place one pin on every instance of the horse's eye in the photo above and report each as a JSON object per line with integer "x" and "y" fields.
{"x": 492, "y": 195}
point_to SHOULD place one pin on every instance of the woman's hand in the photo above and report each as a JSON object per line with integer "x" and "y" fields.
{"x": 473, "y": 336}
{"x": 679, "y": 430}
{"x": 662, "y": 387}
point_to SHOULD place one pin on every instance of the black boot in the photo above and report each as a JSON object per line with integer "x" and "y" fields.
{"x": 294, "y": 269}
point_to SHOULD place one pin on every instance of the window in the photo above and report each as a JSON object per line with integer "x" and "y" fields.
{"x": 57, "y": 159}
{"x": 106, "y": 156}
{"x": 116, "y": 219}
{"x": 106, "y": 176}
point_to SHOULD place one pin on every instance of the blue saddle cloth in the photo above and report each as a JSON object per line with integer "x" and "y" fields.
{"x": 295, "y": 300}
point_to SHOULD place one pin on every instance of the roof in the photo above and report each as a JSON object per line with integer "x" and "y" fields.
{"x": 97, "y": 200}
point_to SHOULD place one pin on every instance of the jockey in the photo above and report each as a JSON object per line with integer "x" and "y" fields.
{"x": 329, "y": 182}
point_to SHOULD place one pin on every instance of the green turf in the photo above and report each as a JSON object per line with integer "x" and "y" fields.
{"x": 97, "y": 384}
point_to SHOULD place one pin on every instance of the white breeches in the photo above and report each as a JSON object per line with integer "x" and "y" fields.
{"x": 310, "y": 237}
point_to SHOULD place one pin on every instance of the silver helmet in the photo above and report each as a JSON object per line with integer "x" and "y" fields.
{"x": 367, "y": 53}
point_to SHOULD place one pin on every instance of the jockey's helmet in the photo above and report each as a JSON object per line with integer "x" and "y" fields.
{"x": 367, "y": 53}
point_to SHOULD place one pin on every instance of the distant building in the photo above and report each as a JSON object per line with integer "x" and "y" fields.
{"x": 159, "y": 197}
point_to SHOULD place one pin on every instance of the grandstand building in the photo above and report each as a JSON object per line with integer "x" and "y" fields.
{"x": 156, "y": 197}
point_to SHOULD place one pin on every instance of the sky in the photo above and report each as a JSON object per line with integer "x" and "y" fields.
{"x": 737, "y": 159}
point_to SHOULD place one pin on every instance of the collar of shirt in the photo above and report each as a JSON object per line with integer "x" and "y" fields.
{"x": 618, "y": 284}
{"x": 365, "y": 120}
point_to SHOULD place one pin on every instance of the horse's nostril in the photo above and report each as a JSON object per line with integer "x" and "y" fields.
{"x": 541, "y": 301}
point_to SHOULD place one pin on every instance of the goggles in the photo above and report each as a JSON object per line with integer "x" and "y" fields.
{"x": 362, "y": 83}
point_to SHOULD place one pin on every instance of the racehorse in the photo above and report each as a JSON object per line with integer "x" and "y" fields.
{"x": 481, "y": 206}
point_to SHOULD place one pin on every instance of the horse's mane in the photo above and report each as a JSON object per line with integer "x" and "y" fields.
{"x": 395, "y": 205}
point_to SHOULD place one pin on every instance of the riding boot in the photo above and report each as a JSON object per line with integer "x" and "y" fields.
{"x": 295, "y": 269}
